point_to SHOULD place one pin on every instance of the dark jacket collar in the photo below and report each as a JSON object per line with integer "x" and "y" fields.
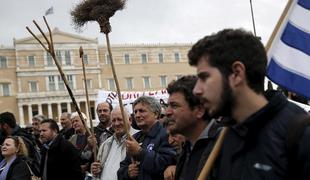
{"x": 276, "y": 101}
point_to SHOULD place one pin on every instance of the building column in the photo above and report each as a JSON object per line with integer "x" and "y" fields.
{"x": 30, "y": 113}
{"x": 49, "y": 110}
{"x": 40, "y": 109}
{"x": 69, "y": 107}
{"x": 21, "y": 115}
{"x": 59, "y": 109}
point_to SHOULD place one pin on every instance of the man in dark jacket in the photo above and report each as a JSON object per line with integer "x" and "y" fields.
{"x": 190, "y": 120}
{"x": 60, "y": 159}
{"x": 104, "y": 130}
{"x": 231, "y": 66}
{"x": 149, "y": 160}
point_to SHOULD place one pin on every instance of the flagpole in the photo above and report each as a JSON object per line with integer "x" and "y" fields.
{"x": 278, "y": 25}
{"x": 253, "y": 21}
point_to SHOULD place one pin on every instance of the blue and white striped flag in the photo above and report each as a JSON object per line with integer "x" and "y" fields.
{"x": 289, "y": 55}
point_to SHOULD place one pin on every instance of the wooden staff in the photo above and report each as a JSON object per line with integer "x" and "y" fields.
{"x": 278, "y": 25}
{"x": 51, "y": 51}
{"x": 101, "y": 11}
{"x": 213, "y": 155}
{"x": 117, "y": 88}
{"x": 88, "y": 103}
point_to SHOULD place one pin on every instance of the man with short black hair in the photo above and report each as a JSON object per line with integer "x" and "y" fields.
{"x": 231, "y": 66}
{"x": 60, "y": 159}
{"x": 189, "y": 117}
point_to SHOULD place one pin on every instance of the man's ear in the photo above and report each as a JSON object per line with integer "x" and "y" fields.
{"x": 238, "y": 73}
{"x": 200, "y": 111}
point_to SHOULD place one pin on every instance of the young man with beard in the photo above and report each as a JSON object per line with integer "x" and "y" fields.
{"x": 190, "y": 120}
{"x": 104, "y": 130}
{"x": 231, "y": 66}
{"x": 60, "y": 159}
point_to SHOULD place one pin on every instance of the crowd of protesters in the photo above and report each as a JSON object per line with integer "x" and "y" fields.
{"x": 266, "y": 136}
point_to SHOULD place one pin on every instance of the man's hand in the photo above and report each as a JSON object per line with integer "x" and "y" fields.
{"x": 132, "y": 146}
{"x": 96, "y": 168}
{"x": 92, "y": 141}
{"x": 170, "y": 172}
{"x": 133, "y": 169}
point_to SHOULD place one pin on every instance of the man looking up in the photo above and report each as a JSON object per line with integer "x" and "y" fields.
{"x": 231, "y": 67}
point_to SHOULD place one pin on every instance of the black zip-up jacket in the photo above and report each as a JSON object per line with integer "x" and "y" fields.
{"x": 258, "y": 148}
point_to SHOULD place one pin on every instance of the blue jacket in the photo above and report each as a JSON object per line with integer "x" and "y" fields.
{"x": 155, "y": 156}
{"x": 258, "y": 148}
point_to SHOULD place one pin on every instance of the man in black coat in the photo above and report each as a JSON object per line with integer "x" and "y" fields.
{"x": 60, "y": 159}
{"x": 231, "y": 68}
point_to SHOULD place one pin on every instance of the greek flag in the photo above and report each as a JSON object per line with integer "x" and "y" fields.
{"x": 49, "y": 11}
{"x": 289, "y": 54}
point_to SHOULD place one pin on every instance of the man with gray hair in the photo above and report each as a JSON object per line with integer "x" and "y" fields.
{"x": 148, "y": 152}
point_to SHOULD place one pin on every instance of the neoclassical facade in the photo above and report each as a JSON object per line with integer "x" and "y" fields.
{"x": 30, "y": 83}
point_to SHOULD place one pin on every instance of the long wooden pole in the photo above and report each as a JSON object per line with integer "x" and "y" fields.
{"x": 278, "y": 25}
{"x": 117, "y": 87}
{"x": 87, "y": 100}
{"x": 213, "y": 155}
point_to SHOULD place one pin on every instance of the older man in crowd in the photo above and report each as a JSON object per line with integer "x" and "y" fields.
{"x": 148, "y": 152}
{"x": 113, "y": 150}
{"x": 67, "y": 130}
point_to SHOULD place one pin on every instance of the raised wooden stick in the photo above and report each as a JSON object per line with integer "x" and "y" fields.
{"x": 51, "y": 51}
{"x": 213, "y": 155}
{"x": 278, "y": 25}
{"x": 87, "y": 100}
{"x": 117, "y": 87}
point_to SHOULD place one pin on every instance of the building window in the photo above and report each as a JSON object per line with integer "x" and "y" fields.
{"x": 129, "y": 83}
{"x": 111, "y": 84}
{"x": 163, "y": 81}
{"x": 31, "y": 61}
{"x": 3, "y": 62}
{"x": 70, "y": 81}
{"x": 63, "y": 107}
{"x": 33, "y": 86}
{"x": 143, "y": 58}
{"x": 176, "y": 57}
{"x": 58, "y": 57}
{"x": 85, "y": 59}
{"x": 107, "y": 59}
{"x": 88, "y": 83}
{"x": 61, "y": 84}
{"x": 67, "y": 58}
{"x": 147, "y": 82}
{"x": 51, "y": 83}
{"x": 5, "y": 87}
{"x": 126, "y": 59}
{"x": 49, "y": 60}
{"x": 160, "y": 58}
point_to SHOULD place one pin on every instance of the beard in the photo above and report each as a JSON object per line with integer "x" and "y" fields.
{"x": 225, "y": 106}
